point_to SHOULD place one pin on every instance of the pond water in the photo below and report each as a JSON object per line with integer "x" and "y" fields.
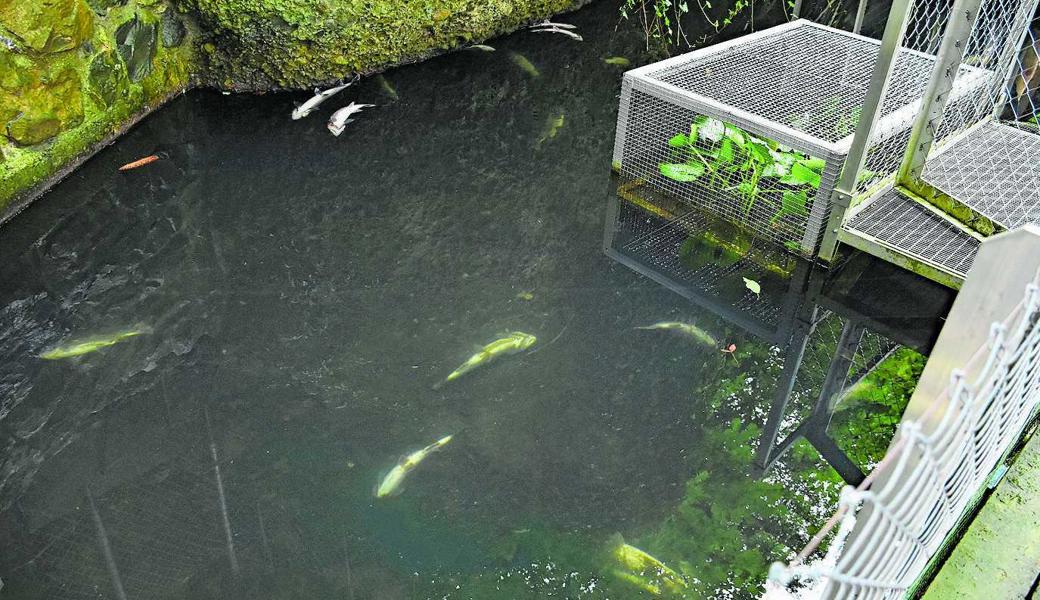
{"x": 300, "y": 298}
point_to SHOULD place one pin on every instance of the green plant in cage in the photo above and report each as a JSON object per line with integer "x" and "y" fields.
{"x": 726, "y": 158}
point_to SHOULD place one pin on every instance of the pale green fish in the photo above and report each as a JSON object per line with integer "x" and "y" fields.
{"x": 640, "y": 568}
{"x": 481, "y": 47}
{"x": 391, "y": 484}
{"x": 617, "y": 61}
{"x": 91, "y": 344}
{"x": 522, "y": 62}
{"x": 387, "y": 88}
{"x": 552, "y": 127}
{"x": 691, "y": 330}
{"x": 515, "y": 342}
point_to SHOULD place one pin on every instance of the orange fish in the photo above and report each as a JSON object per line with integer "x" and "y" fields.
{"x": 139, "y": 162}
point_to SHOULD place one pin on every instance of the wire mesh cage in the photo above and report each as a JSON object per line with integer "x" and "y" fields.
{"x": 756, "y": 130}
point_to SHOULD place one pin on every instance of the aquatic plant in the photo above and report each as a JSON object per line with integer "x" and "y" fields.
{"x": 727, "y": 159}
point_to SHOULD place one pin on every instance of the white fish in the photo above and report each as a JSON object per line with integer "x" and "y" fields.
{"x": 550, "y": 27}
{"x": 311, "y": 105}
{"x": 339, "y": 119}
{"x": 691, "y": 330}
{"x": 483, "y": 47}
{"x": 391, "y": 484}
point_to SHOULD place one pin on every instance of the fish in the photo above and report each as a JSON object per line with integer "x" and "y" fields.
{"x": 522, "y": 62}
{"x": 551, "y": 129}
{"x": 691, "y": 330}
{"x": 517, "y": 341}
{"x": 481, "y": 47}
{"x": 642, "y": 569}
{"x": 339, "y": 119}
{"x": 388, "y": 89}
{"x": 311, "y": 105}
{"x": 391, "y": 483}
{"x": 617, "y": 61}
{"x": 92, "y": 344}
{"x": 139, "y": 162}
{"x": 550, "y": 27}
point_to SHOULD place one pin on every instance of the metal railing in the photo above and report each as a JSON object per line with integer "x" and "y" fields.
{"x": 951, "y": 439}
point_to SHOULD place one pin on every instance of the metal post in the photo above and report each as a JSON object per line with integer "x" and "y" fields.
{"x": 947, "y": 63}
{"x": 841, "y": 198}
{"x": 796, "y": 12}
{"x": 861, "y": 11}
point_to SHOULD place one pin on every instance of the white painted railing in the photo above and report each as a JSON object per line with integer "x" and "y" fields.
{"x": 949, "y": 443}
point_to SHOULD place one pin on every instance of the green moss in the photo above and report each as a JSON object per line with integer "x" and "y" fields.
{"x": 47, "y": 25}
{"x": 262, "y": 44}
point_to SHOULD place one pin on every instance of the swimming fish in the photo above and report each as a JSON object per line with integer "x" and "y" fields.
{"x": 92, "y": 344}
{"x": 550, "y": 27}
{"x": 643, "y": 569}
{"x": 522, "y": 62}
{"x": 551, "y": 129}
{"x": 139, "y": 162}
{"x": 617, "y": 61}
{"x": 388, "y": 89}
{"x": 339, "y": 119}
{"x": 482, "y": 47}
{"x": 513, "y": 343}
{"x": 691, "y": 330}
{"x": 391, "y": 483}
{"x": 311, "y": 105}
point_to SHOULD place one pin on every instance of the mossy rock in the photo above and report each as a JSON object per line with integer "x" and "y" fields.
{"x": 265, "y": 44}
{"x": 47, "y": 25}
{"x": 101, "y": 6}
{"x": 40, "y": 98}
{"x": 108, "y": 78}
{"x": 173, "y": 30}
{"x": 136, "y": 41}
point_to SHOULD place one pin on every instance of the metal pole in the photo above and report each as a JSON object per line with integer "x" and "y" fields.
{"x": 796, "y": 12}
{"x": 841, "y": 198}
{"x": 861, "y": 11}
{"x": 947, "y": 63}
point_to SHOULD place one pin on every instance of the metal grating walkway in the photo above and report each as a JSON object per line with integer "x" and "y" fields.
{"x": 1003, "y": 177}
{"x": 895, "y": 227}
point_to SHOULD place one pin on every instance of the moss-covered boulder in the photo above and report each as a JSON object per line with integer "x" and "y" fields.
{"x": 136, "y": 41}
{"x": 40, "y": 98}
{"x": 47, "y": 25}
{"x": 173, "y": 29}
{"x": 107, "y": 77}
{"x": 264, "y": 44}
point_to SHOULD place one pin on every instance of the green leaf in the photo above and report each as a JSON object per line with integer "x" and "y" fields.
{"x": 802, "y": 175}
{"x": 793, "y": 203}
{"x": 760, "y": 152}
{"x": 682, "y": 172}
{"x": 712, "y": 130}
{"x": 816, "y": 164}
{"x": 726, "y": 151}
{"x": 679, "y": 141}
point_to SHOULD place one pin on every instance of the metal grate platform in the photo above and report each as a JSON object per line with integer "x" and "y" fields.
{"x": 894, "y": 227}
{"x": 994, "y": 169}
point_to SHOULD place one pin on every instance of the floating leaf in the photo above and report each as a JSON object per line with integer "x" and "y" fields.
{"x": 679, "y": 141}
{"x": 682, "y": 172}
{"x": 752, "y": 285}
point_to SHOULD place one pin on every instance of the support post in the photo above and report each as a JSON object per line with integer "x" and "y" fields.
{"x": 947, "y": 63}
{"x": 861, "y": 11}
{"x": 841, "y": 198}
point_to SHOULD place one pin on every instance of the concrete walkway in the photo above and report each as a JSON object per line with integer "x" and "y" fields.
{"x": 999, "y": 555}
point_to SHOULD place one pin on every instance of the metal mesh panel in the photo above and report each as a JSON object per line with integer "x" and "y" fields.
{"x": 898, "y": 223}
{"x": 1023, "y": 107}
{"x": 995, "y": 169}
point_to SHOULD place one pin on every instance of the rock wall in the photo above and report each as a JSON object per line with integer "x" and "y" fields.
{"x": 270, "y": 44}
{"x": 73, "y": 74}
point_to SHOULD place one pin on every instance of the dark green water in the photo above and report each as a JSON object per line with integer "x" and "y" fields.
{"x": 306, "y": 292}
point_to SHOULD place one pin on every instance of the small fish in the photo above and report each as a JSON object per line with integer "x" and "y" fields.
{"x": 527, "y": 296}
{"x": 481, "y": 47}
{"x": 311, "y": 105}
{"x": 513, "y": 343}
{"x": 139, "y": 162}
{"x": 561, "y": 28}
{"x": 753, "y": 285}
{"x": 339, "y": 119}
{"x": 522, "y": 62}
{"x": 388, "y": 89}
{"x": 551, "y": 129}
{"x": 391, "y": 483}
{"x": 617, "y": 61}
{"x": 691, "y": 330}
{"x": 92, "y": 344}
